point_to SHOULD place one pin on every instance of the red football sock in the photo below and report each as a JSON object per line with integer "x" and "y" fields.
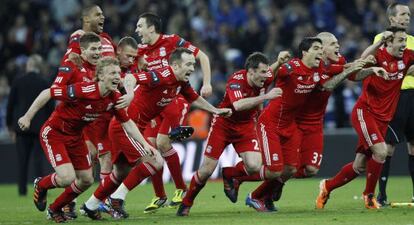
{"x": 103, "y": 175}
{"x": 237, "y": 171}
{"x": 345, "y": 175}
{"x": 106, "y": 187}
{"x": 138, "y": 174}
{"x": 195, "y": 187}
{"x": 157, "y": 184}
{"x": 48, "y": 182}
{"x": 264, "y": 189}
{"x": 70, "y": 193}
{"x": 374, "y": 168}
{"x": 254, "y": 177}
{"x": 173, "y": 162}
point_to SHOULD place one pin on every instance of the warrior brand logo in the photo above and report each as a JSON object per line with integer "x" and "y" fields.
{"x": 88, "y": 107}
{"x": 300, "y": 78}
{"x": 324, "y": 76}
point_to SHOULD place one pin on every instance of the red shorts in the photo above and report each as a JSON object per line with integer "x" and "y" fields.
{"x": 222, "y": 133}
{"x": 369, "y": 129}
{"x": 278, "y": 150}
{"x": 61, "y": 148}
{"x": 97, "y": 133}
{"x": 125, "y": 148}
{"x": 173, "y": 115}
{"x": 311, "y": 148}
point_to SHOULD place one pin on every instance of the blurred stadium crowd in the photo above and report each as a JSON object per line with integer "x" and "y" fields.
{"x": 227, "y": 30}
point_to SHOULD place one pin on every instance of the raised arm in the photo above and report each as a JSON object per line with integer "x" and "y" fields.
{"x": 206, "y": 89}
{"x": 283, "y": 57}
{"x": 337, "y": 79}
{"x": 372, "y": 49}
{"x": 38, "y": 103}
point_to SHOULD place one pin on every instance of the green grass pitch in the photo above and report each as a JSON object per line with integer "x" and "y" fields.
{"x": 212, "y": 207}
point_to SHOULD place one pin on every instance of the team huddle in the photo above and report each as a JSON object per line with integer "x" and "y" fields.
{"x": 124, "y": 104}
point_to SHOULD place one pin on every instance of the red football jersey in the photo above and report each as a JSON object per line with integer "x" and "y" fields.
{"x": 157, "y": 88}
{"x": 237, "y": 88}
{"x": 381, "y": 96}
{"x": 314, "y": 108}
{"x": 157, "y": 54}
{"x": 69, "y": 73}
{"x": 108, "y": 46}
{"x": 81, "y": 105}
{"x": 297, "y": 82}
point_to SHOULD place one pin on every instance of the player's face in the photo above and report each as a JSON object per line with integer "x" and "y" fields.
{"x": 331, "y": 48}
{"x": 93, "y": 52}
{"x": 96, "y": 19}
{"x": 402, "y": 17}
{"x": 259, "y": 75}
{"x": 143, "y": 31}
{"x": 186, "y": 67}
{"x": 111, "y": 77}
{"x": 127, "y": 55}
{"x": 399, "y": 43}
{"x": 314, "y": 55}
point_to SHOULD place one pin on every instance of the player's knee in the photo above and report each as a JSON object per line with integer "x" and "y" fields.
{"x": 358, "y": 168}
{"x": 273, "y": 172}
{"x": 311, "y": 171}
{"x": 86, "y": 181}
{"x": 66, "y": 179}
{"x": 252, "y": 167}
{"x": 164, "y": 144}
{"x": 157, "y": 161}
{"x": 380, "y": 154}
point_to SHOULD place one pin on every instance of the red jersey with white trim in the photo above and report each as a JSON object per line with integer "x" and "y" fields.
{"x": 314, "y": 109}
{"x": 238, "y": 88}
{"x": 157, "y": 89}
{"x": 69, "y": 73}
{"x": 82, "y": 104}
{"x": 297, "y": 82}
{"x": 157, "y": 55}
{"x": 108, "y": 45}
{"x": 380, "y": 96}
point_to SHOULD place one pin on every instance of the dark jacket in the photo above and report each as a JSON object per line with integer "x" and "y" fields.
{"x": 23, "y": 92}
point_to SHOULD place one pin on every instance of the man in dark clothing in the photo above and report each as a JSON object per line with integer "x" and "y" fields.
{"x": 23, "y": 92}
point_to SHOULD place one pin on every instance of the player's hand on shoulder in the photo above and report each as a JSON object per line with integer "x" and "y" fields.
{"x": 274, "y": 93}
{"x": 370, "y": 60}
{"x": 76, "y": 59}
{"x": 124, "y": 101}
{"x": 206, "y": 91}
{"x": 226, "y": 112}
{"x": 357, "y": 65}
{"x": 24, "y": 123}
{"x": 381, "y": 72}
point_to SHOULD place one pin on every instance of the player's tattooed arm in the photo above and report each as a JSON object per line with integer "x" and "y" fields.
{"x": 38, "y": 103}
{"x": 337, "y": 79}
{"x": 378, "y": 71}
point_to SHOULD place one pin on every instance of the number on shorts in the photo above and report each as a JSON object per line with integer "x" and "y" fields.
{"x": 317, "y": 158}
{"x": 256, "y": 145}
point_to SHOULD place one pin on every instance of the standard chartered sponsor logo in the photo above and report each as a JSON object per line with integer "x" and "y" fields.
{"x": 303, "y": 89}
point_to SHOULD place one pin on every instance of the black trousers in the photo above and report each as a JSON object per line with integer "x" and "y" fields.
{"x": 27, "y": 147}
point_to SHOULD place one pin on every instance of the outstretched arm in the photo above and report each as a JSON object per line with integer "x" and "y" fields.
{"x": 38, "y": 103}
{"x": 201, "y": 103}
{"x": 206, "y": 89}
{"x": 251, "y": 102}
